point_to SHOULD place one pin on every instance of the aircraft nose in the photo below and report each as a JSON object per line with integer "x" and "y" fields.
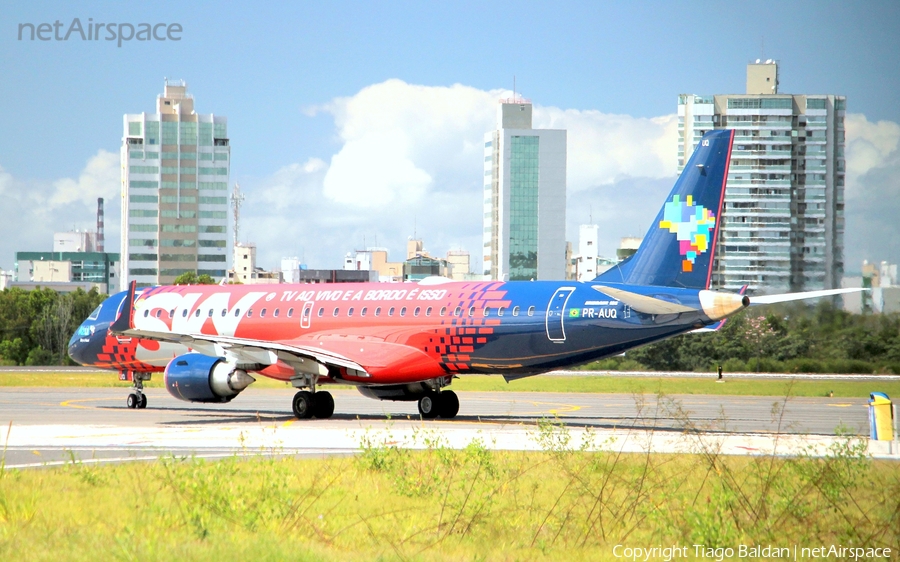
{"x": 80, "y": 343}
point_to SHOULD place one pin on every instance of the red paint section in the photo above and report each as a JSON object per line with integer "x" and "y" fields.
{"x": 715, "y": 240}
{"x": 393, "y": 349}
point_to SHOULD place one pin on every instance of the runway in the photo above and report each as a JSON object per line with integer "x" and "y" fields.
{"x": 51, "y": 426}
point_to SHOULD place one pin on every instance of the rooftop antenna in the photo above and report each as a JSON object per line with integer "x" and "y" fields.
{"x": 762, "y": 47}
{"x": 237, "y": 199}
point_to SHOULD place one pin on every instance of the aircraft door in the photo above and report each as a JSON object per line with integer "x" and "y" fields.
{"x": 556, "y": 313}
{"x": 306, "y": 314}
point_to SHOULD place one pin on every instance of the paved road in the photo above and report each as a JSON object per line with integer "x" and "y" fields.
{"x": 52, "y": 425}
{"x": 106, "y": 406}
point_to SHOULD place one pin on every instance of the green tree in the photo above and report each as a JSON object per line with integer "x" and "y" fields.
{"x": 191, "y": 278}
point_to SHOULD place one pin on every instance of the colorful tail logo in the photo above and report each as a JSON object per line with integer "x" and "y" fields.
{"x": 692, "y": 226}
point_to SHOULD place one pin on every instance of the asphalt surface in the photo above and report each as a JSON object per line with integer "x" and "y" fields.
{"x": 50, "y": 426}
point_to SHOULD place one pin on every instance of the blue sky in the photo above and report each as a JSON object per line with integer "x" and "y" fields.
{"x": 299, "y": 83}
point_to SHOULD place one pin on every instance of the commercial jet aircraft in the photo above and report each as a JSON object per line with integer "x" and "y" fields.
{"x": 409, "y": 341}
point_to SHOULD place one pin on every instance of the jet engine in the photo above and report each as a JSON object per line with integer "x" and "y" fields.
{"x": 194, "y": 377}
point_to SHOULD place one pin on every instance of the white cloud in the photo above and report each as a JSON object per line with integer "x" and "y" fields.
{"x": 604, "y": 148}
{"x": 34, "y": 210}
{"x": 868, "y": 146}
{"x": 375, "y": 171}
{"x": 872, "y": 192}
{"x": 412, "y": 161}
{"x": 101, "y": 177}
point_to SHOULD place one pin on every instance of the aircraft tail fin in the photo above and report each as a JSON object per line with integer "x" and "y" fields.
{"x": 125, "y": 320}
{"x": 680, "y": 247}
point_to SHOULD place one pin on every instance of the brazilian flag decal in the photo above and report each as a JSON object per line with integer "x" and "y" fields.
{"x": 574, "y": 312}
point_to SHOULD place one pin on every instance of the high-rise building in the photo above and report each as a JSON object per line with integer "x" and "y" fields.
{"x": 783, "y": 220}
{"x": 524, "y": 197}
{"x": 175, "y": 168}
{"x": 586, "y": 259}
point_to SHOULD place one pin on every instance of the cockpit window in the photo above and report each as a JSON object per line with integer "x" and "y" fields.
{"x": 96, "y": 314}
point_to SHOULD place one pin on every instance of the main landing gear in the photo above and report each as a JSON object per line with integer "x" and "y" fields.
{"x": 444, "y": 404}
{"x": 308, "y": 404}
{"x": 137, "y": 399}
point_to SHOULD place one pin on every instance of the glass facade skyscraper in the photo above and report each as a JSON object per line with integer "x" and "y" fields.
{"x": 175, "y": 170}
{"x": 783, "y": 219}
{"x": 524, "y": 198}
{"x": 523, "y": 207}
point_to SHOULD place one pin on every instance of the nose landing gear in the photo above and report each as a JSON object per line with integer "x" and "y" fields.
{"x": 137, "y": 399}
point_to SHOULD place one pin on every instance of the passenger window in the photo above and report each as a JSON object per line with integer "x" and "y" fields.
{"x": 275, "y": 314}
{"x": 403, "y": 311}
{"x": 290, "y": 312}
{"x": 224, "y": 312}
{"x": 350, "y": 311}
{"x": 457, "y": 312}
{"x": 335, "y": 312}
{"x": 443, "y": 310}
{"x": 237, "y": 312}
{"x": 500, "y": 311}
{"x": 262, "y": 313}
{"x": 172, "y": 313}
{"x": 197, "y": 313}
{"x": 515, "y": 311}
{"x": 428, "y": 311}
{"x": 378, "y": 311}
{"x": 391, "y": 311}
{"x": 184, "y": 313}
{"x": 320, "y": 313}
{"x": 249, "y": 313}
{"x": 416, "y": 311}
{"x": 146, "y": 313}
{"x": 471, "y": 311}
{"x": 530, "y": 311}
{"x": 158, "y": 312}
{"x": 363, "y": 311}
{"x": 210, "y": 313}
{"x": 487, "y": 311}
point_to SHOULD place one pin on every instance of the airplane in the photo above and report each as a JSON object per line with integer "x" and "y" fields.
{"x": 408, "y": 341}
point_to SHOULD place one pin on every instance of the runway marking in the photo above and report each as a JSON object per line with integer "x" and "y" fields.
{"x": 69, "y": 403}
{"x": 840, "y": 405}
{"x": 564, "y": 408}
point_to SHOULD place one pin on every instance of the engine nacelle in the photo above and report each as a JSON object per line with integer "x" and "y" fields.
{"x": 194, "y": 377}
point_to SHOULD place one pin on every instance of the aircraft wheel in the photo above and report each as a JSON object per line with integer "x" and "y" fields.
{"x": 323, "y": 404}
{"x": 132, "y": 401}
{"x": 429, "y": 405}
{"x": 303, "y": 404}
{"x": 449, "y": 404}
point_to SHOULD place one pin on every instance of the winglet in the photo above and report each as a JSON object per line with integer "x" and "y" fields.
{"x": 125, "y": 321}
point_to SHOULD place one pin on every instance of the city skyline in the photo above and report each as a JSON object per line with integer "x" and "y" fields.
{"x": 351, "y": 122}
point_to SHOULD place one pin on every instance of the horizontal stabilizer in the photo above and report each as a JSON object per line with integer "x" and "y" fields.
{"x": 787, "y": 297}
{"x": 643, "y": 303}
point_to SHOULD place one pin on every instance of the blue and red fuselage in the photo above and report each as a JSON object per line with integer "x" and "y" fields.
{"x": 399, "y": 333}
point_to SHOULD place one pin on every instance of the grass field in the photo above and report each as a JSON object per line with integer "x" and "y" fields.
{"x": 599, "y": 384}
{"x": 389, "y": 503}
